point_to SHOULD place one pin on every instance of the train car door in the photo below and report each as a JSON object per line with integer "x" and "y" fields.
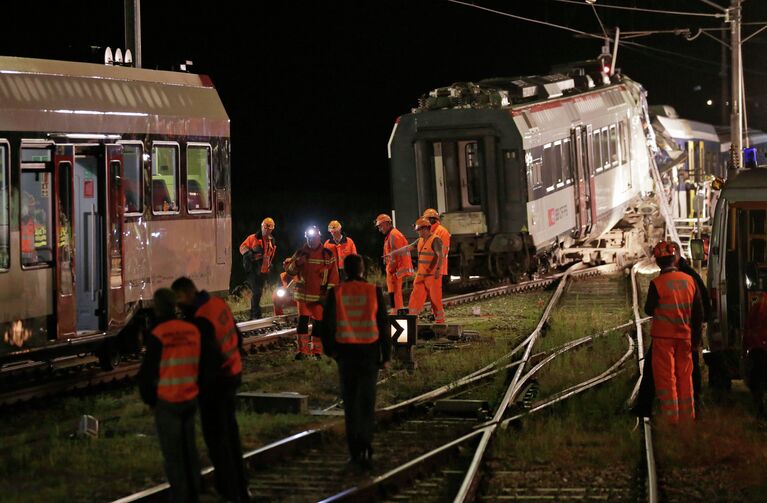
{"x": 114, "y": 204}
{"x": 66, "y": 314}
{"x": 582, "y": 215}
{"x": 588, "y": 170}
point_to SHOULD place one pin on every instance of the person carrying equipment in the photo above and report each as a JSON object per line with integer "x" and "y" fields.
{"x": 397, "y": 267}
{"x": 282, "y": 295}
{"x": 674, "y": 303}
{"x": 314, "y": 267}
{"x": 257, "y": 255}
{"x": 341, "y": 245}
{"x": 355, "y": 331}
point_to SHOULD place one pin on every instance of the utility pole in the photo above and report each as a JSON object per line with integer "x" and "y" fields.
{"x": 725, "y": 91}
{"x": 736, "y": 121}
{"x": 133, "y": 29}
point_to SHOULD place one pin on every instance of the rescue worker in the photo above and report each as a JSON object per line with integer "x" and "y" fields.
{"x": 355, "y": 332}
{"x": 27, "y": 235}
{"x": 427, "y": 277}
{"x": 442, "y": 233}
{"x": 314, "y": 267}
{"x": 168, "y": 383}
{"x": 398, "y": 267}
{"x": 646, "y": 395}
{"x": 257, "y": 255}
{"x": 217, "y": 394}
{"x": 674, "y": 303}
{"x": 341, "y": 245}
{"x": 282, "y": 296}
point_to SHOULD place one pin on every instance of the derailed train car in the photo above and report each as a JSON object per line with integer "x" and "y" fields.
{"x": 522, "y": 169}
{"x": 113, "y": 182}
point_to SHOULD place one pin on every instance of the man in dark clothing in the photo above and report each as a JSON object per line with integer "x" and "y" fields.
{"x": 646, "y": 394}
{"x": 217, "y": 393}
{"x": 168, "y": 384}
{"x": 355, "y": 331}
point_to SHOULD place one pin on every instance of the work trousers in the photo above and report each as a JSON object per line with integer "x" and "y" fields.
{"x": 672, "y": 371}
{"x": 646, "y": 395}
{"x": 432, "y": 286}
{"x": 222, "y": 437}
{"x": 394, "y": 288}
{"x": 256, "y": 281}
{"x": 309, "y": 311}
{"x": 175, "y": 430}
{"x": 358, "y": 391}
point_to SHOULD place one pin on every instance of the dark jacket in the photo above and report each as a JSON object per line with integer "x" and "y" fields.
{"x": 375, "y": 354}
{"x": 696, "y": 321}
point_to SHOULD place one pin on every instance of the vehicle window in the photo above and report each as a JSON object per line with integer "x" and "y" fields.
{"x": 198, "y": 178}
{"x": 133, "y": 183}
{"x": 597, "y": 151}
{"x": 5, "y": 230}
{"x": 605, "y": 148}
{"x": 36, "y": 186}
{"x": 164, "y": 178}
{"x": 565, "y": 160}
{"x": 613, "y": 146}
{"x": 473, "y": 173}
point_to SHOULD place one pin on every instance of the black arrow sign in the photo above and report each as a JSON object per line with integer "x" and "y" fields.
{"x": 395, "y": 323}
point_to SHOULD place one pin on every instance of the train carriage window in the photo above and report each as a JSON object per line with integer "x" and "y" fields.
{"x": 597, "y": 151}
{"x": 198, "y": 178}
{"x": 604, "y": 147}
{"x": 565, "y": 176}
{"x": 550, "y": 166}
{"x": 5, "y": 231}
{"x": 625, "y": 138}
{"x": 36, "y": 222}
{"x": 133, "y": 183}
{"x": 165, "y": 178}
{"x": 613, "y": 146}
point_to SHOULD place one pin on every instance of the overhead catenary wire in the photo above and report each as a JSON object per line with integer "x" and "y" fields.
{"x": 642, "y": 9}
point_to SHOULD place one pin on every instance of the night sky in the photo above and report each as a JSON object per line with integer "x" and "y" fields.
{"x": 313, "y": 88}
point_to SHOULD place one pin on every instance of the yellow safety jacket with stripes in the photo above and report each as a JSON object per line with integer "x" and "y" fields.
{"x": 356, "y": 308}
{"x": 179, "y": 362}
{"x": 217, "y": 312}
{"x": 672, "y": 316}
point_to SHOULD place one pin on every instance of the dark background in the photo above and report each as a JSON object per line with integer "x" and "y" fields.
{"x": 313, "y": 88}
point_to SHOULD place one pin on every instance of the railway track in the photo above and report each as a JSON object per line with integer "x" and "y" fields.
{"x": 419, "y": 450}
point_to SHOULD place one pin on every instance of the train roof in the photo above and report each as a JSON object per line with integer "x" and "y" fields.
{"x": 747, "y": 185}
{"x": 685, "y": 129}
{"x": 38, "y": 95}
{"x": 754, "y": 136}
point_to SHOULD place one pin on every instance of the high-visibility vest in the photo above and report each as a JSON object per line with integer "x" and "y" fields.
{"x": 444, "y": 235}
{"x": 263, "y": 249}
{"x": 341, "y": 250}
{"x": 356, "y": 308}
{"x": 673, "y": 314}
{"x": 218, "y": 314}
{"x": 426, "y": 262}
{"x": 180, "y": 360}
{"x": 28, "y": 237}
{"x": 41, "y": 236}
{"x": 401, "y": 264}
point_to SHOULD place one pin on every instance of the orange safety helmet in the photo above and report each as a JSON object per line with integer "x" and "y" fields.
{"x": 383, "y": 217}
{"x": 334, "y": 225}
{"x": 422, "y": 222}
{"x": 268, "y": 222}
{"x": 430, "y": 213}
{"x": 664, "y": 249}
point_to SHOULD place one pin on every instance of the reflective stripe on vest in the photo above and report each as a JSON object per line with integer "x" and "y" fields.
{"x": 218, "y": 314}
{"x": 41, "y": 237}
{"x": 179, "y": 363}
{"x": 356, "y": 308}
{"x": 426, "y": 255}
{"x": 672, "y": 316}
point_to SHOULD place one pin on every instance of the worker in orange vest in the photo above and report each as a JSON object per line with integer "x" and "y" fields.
{"x": 398, "y": 267}
{"x": 675, "y": 305}
{"x": 257, "y": 255}
{"x": 340, "y": 245}
{"x": 28, "y": 252}
{"x": 168, "y": 382}
{"x": 314, "y": 267}
{"x": 355, "y": 331}
{"x": 282, "y": 296}
{"x": 218, "y": 394}
{"x": 428, "y": 275}
{"x": 442, "y": 233}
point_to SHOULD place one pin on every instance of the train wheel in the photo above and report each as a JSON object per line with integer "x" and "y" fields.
{"x": 109, "y": 358}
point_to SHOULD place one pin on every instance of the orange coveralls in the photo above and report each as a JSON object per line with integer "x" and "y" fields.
{"x": 426, "y": 282}
{"x": 398, "y": 267}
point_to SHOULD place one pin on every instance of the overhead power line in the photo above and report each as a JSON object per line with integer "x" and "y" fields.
{"x": 642, "y": 9}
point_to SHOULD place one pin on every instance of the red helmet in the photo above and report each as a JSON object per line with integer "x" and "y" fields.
{"x": 664, "y": 249}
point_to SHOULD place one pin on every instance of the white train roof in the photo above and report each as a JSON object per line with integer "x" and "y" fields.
{"x": 684, "y": 129}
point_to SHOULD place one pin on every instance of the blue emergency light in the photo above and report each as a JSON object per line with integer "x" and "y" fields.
{"x": 749, "y": 157}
